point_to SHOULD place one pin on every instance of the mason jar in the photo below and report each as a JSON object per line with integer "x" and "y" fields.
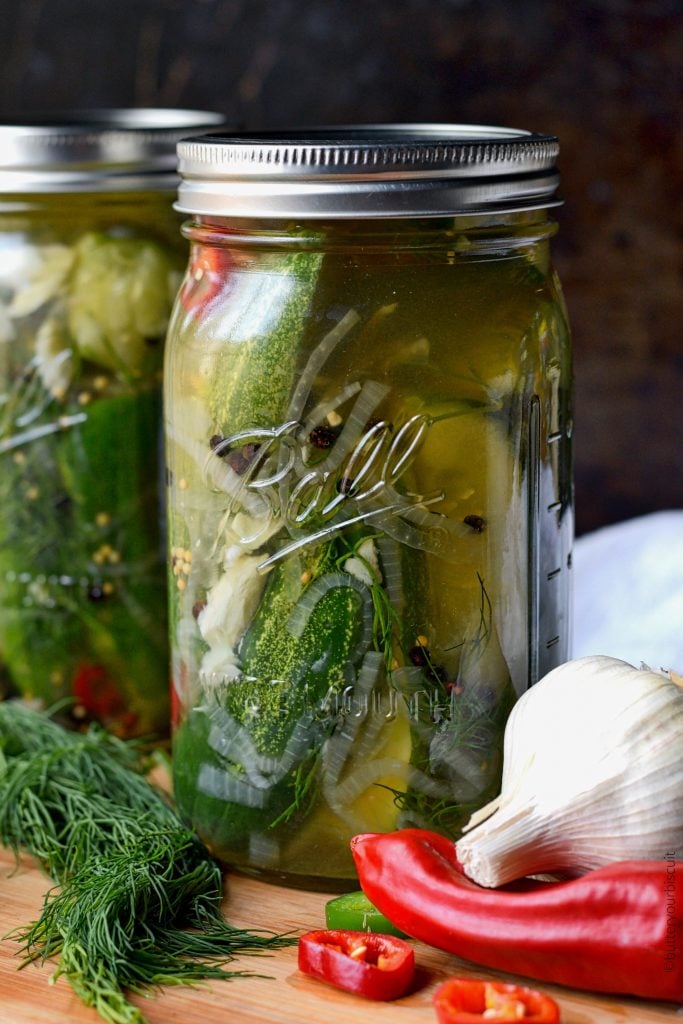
{"x": 368, "y": 426}
{"x": 90, "y": 258}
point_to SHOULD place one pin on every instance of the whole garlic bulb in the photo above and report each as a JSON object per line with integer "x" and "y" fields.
{"x": 592, "y": 773}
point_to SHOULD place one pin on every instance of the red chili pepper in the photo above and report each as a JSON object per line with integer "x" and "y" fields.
{"x": 472, "y": 1000}
{"x": 96, "y": 692}
{"x": 208, "y": 269}
{"x": 616, "y": 929}
{"x": 366, "y": 963}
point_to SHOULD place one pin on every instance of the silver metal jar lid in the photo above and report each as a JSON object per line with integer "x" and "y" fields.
{"x": 96, "y": 150}
{"x": 386, "y": 170}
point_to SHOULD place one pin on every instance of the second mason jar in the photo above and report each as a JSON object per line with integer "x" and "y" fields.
{"x": 90, "y": 260}
{"x": 368, "y": 424}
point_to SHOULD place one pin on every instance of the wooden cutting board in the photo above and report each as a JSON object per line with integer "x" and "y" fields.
{"x": 285, "y": 997}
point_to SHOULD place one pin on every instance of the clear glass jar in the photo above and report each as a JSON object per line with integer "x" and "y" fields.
{"x": 90, "y": 259}
{"x": 367, "y": 412}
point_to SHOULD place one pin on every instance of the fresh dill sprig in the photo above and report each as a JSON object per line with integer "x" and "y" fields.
{"x": 306, "y": 780}
{"x": 137, "y": 903}
{"x": 386, "y": 622}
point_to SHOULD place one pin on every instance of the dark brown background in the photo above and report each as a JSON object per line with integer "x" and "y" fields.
{"x": 604, "y": 75}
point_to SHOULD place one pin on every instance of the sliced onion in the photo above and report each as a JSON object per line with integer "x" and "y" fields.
{"x": 415, "y": 526}
{"x": 224, "y": 785}
{"x": 364, "y": 776}
{"x": 315, "y": 591}
{"x": 328, "y": 405}
{"x": 359, "y": 782}
{"x": 392, "y": 571}
{"x": 232, "y": 741}
{"x": 339, "y": 744}
{"x": 317, "y": 359}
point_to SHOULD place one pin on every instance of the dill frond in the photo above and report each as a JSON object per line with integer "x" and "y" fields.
{"x": 137, "y": 901}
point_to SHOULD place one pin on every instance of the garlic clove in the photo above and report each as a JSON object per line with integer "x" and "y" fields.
{"x": 592, "y": 773}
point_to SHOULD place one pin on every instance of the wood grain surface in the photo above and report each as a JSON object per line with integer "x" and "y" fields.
{"x": 284, "y": 997}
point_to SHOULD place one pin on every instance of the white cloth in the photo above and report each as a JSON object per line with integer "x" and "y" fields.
{"x": 628, "y": 591}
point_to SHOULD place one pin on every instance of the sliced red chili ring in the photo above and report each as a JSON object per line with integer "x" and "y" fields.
{"x": 366, "y": 963}
{"x": 474, "y": 1000}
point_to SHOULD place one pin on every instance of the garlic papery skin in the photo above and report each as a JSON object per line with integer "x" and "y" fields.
{"x": 592, "y": 774}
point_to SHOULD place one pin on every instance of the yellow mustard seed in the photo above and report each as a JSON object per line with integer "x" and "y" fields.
{"x": 84, "y": 398}
{"x": 181, "y": 583}
{"x": 422, "y": 641}
{"x": 306, "y": 577}
{"x": 32, "y": 493}
{"x": 102, "y": 519}
{"x": 114, "y": 557}
{"x": 100, "y": 382}
{"x": 19, "y": 458}
{"x": 107, "y": 587}
{"x": 182, "y": 484}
